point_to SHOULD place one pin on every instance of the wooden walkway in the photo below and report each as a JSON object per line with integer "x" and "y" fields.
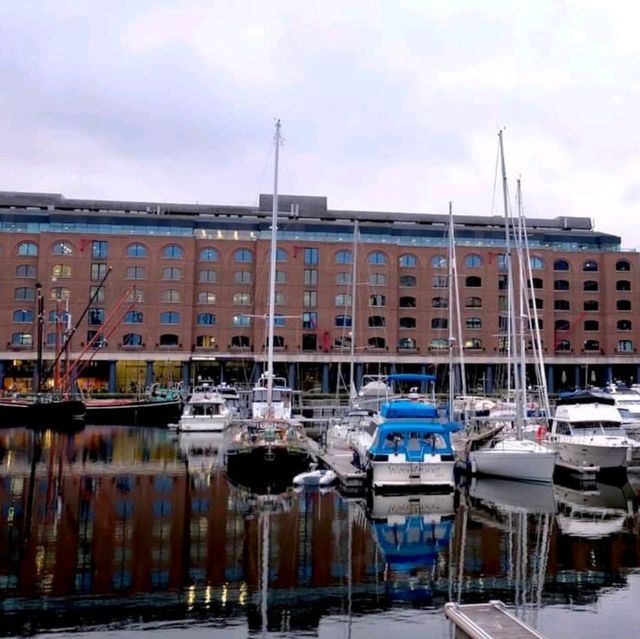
{"x": 487, "y": 621}
{"x": 351, "y": 479}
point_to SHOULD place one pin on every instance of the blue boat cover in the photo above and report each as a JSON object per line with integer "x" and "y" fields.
{"x": 410, "y": 377}
{"x": 407, "y": 409}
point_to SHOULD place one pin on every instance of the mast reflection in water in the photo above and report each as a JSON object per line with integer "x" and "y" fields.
{"x": 139, "y": 529}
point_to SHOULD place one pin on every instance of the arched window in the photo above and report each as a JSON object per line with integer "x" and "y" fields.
{"x": 590, "y": 266}
{"x": 205, "y": 341}
{"x": 472, "y": 343}
{"x": 592, "y": 325}
{"x": 592, "y": 345}
{"x": 343, "y": 321}
{"x": 563, "y": 345}
{"x": 24, "y": 293}
{"x": 207, "y": 276}
{"x": 26, "y": 270}
{"x": 137, "y": 250}
{"x": 377, "y": 342}
{"x": 377, "y": 279}
{"x": 439, "y": 302}
{"x": 278, "y": 341}
{"x": 623, "y": 265}
{"x": 62, "y": 248}
{"x": 536, "y": 282}
{"x": 533, "y": 322}
{"x": 27, "y": 249}
{"x": 240, "y": 341}
{"x": 59, "y": 293}
{"x": 407, "y": 322}
{"x": 206, "y": 297}
{"x": 205, "y": 319}
{"x": 241, "y": 320}
{"x": 439, "y": 344}
{"x": 407, "y": 302}
{"x": 243, "y": 256}
{"x": 408, "y": 281}
{"x": 536, "y": 262}
{"x": 623, "y": 305}
{"x": 22, "y": 339}
{"x": 625, "y": 346}
{"x": 242, "y": 299}
{"x": 172, "y": 273}
{"x": 344, "y": 256}
{"x": 473, "y": 261}
{"x": 473, "y": 322}
{"x": 473, "y": 302}
{"x": 473, "y": 282}
{"x": 168, "y": 339}
{"x": 342, "y": 299}
{"x": 169, "y": 317}
{"x": 281, "y": 255}
{"x": 623, "y": 325}
{"x": 170, "y": 295}
{"x": 561, "y": 285}
{"x": 623, "y": 285}
{"x": 376, "y": 321}
{"x": 209, "y": 254}
{"x": 377, "y": 300}
{"x": 342, "y": 342}
{"x": 172, "y": 252}
{"x": 562, "y": 305}
{"x": 407, "y": 260}
{"x": 407, "y": 344}
{"x": 590, "y": 286}
{"x": 132, "y": 339}
{"x": 23, "y": 315}
{"x": 562, "y": 325}
{"x": 439, "y": 261}
{"x": 590, "y": 305}
{"x": 377, "y": 257}
{"x": 537, "y": 302}
{"x": 135, "y": 295}
{"x": 561, "y": 265}
{"x": 439, "y": 323}
{"x": 136, "y": 273}
{"x": 133, "y": 317}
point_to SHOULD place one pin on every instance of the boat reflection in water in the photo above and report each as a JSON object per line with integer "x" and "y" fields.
{"x": 137, "y": 527}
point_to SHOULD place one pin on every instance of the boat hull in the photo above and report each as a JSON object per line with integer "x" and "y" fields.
{"x": 581, "y": 453}
{"x": 406, "y": 474}
{"x": 132, "y": 413}
{"x": 190, "y": 424}
{"x": 56, "y": 415}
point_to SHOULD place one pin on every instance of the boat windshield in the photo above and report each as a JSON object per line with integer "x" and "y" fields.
{"x": 598, "y": 428}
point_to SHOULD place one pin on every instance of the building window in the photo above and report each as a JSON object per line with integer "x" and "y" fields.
{"x": 502, "y": 282}
{"x": 96, "y": 316}
{"x": 243, "y": 256}
{"x": 407, "y": 302}
{"x": 590, "y": 305}
{"x": 241, "y": 320}
{"x": 536, "y": 282}
{"x": 281, "y": 277}
{"x": 376, "y": 321}
{"x": 172, "y": 252}
{"x": 590, "y": 286}
{"x": 472, "y": 302}
{"x": 240, "y": 341}
{"x": 59, "y": 293}
{"x": 503, "y": 262}
{"x": 408, "y": 260}
{"x": 135, "y": 295}
{"x": 562, "y": 305}
{"x": 172, "y": 273}
{"x": 132, "y": 339}
{"x": 377, "y": 279}
{"x": 439, "y": 302}
{"x": 344, "y": 257}
{"x": 24, "y": 293}
{"x": 407, "y": 322}
{"x": 592, "y": 345}
{"x": 342, "y": 321}
{"x": 60, "y": 272}
{"x": 209, "y": 254}
{"x": 278, "y": 341}
{"x": 310, "y": 299}
{"x": 625, "y": 346}
{"x": 561, "y": 265}
{"x": 563, "y": 345}
{"x": 23, "y": 316}
{"x": 473, "y": 261}
{"x": 561, "y": 285}
{"x": 623, "y": 325}
{"x": 342, "y": 342}
{"x": 377, "y": 257}
{"x": 537, "y": 263}
{"x": 99, "y": 249}
{"x": 281, "y": 255}
{"x": 206, "y": 297}
{"x": 377, "y": 300}
{"x": 26, "y": 270}
{"x": 170, "y": 295}
{"x": 623, "y": 285}
{"x": 623, "y": 305}
{"x": 96, "y": 294}
{"x": 205, "y": 319}
{"x": 242, "y": 299}
{"x": 408, "y": 281}
{"x": 439, "y": 344}
{"x": 208, "y": 277}
{"x": 278, "y": 320}
{"x": 168, "y": 339}
{"x": 22, "y": 339}
{"x": 473, "y": 281}
{"x": 137, "y": 250}
{"x": 438, "y": 323}
{"x": 440, "y": 281}
{"x": 311, "y": 256}
{"x": 310, "y": 277}
{"x": 592, "y": 325}
{"x": 62, "y": 248}
{"x": 473, "y": 322}
{"x": 536, "y": 303}
{"x": 133, "y": 272}
{"x": 473, "y": 343}
{"x": 439, "y": 261}
{"x": 309, "y": 320}
{"x": 562, "y": 325}
{"x": 27, "y": 249}
{"x": 205, "y": 341}
{"x": 169, "y": 317}
{"x": 407, "y": 344}
{"x": 133, "y": 317}
{"x": 280, "y": 299}
{"x": 98, "y": 271}
{"x": 590, "y": 266}
{"x": 377, "y": 342}
{"x": 623, "y": 265}
{"x": 239, "y": 277}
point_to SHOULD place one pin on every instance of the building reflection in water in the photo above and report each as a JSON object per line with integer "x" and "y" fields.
{"x": 149, "y": 518}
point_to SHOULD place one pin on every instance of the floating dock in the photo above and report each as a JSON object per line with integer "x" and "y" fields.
{"x": 487, "y": 621}
{"x": 351, "y": 480}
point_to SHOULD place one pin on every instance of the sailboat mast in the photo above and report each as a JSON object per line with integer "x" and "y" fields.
{"x": 354, "y": 289}
{"x": 272, "y": 270}
{"x": 450, "y": 313}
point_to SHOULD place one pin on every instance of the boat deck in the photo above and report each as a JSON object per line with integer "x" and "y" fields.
{"x": 487, "y": 621}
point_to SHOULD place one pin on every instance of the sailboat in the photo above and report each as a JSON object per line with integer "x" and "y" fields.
{"x": 511, "y": 455}
{"x": 271, "y": 445}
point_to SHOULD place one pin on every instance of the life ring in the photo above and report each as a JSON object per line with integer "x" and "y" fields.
{"x": 541, "y": 431}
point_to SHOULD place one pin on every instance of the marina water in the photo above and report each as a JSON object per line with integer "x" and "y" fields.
{"x": 117, "y": 531}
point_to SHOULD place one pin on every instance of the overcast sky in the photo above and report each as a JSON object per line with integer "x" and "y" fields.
{"x": 387, "y": 106}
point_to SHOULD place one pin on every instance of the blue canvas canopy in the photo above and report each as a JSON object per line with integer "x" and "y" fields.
{"x": 410, "y": 377}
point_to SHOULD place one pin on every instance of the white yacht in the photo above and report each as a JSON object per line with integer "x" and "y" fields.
{"x": 587, "y": 433}
{"x": 205, "y": 410}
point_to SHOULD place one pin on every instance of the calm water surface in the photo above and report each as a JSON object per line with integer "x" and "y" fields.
{"x": 114, "y": 532}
